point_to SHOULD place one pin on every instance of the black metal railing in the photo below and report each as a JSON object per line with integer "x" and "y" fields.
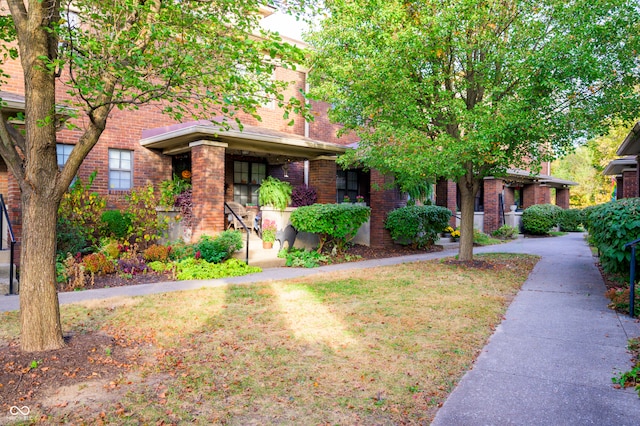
{"x": 230, "y": 210}
{"x": 4, "y": 215}
{"x": 632, "y": 276}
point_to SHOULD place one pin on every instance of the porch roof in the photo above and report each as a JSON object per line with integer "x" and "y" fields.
{"x": 12, "y": 101}
{"x": 631, "y": 144}
{"x": 525, "y": 176}
{"x": 617, "y": 166}
{"x": 177, "y": 138}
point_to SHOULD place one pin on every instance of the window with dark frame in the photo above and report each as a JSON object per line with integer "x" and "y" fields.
{"x": 352, "y": 183}
{"x": 247, "y": 177}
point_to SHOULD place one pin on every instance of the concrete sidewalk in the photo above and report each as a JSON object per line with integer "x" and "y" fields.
{"x": 551, "y": 360}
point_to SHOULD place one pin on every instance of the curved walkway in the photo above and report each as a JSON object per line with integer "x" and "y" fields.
{"x": 550, "y": 362}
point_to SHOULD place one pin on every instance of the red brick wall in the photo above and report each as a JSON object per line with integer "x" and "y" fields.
{"x": 208, "y": 168}
{"x": 492, "y": 191}
{"x": 382, "y": 201}
{"x": 322, "y": 129}
{"x": 446, "y": 197}
{"x": 322, "y": 176}
{"x": 630, "y": 185}
{"x": 536, "y": 194}
{"x": 562, "y": 197}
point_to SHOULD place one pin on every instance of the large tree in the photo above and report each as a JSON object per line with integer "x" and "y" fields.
{"x": 465, "y": 89}
{"x": 190, "y": 57}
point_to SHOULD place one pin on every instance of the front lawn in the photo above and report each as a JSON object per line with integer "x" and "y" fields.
{"x": 371, "y": 346}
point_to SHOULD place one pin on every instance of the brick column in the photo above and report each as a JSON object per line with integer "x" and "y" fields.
{"x": 382, "y": 202}
{"x": 562, "y": 197}
{"x": 619, "y": 188}
{"x": 536, "y": 194}
{"x": 322, "y": 176}
{"x": 446, "y": 197}
{"x": 492, "y": 190}
{"x": 630, "y": 185}
{"x": 208, "y": 172}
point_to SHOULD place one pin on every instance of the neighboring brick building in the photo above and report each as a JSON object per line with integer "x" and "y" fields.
{"x": 625, "y": 169}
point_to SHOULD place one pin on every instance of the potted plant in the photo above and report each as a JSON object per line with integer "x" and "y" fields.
{"x": 455, "y": 235}
{"x": 446, "y": 233}
{"x": 275, "y": 193}
{"x": 360, "y": 200}
{"x": 268, "y": 233}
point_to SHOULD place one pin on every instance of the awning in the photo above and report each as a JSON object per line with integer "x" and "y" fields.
{"x": 519, "y": 176}
{"x": 176, "y": 139}
{"x": 631, "y": 144}
{"x": 619, "y": 165}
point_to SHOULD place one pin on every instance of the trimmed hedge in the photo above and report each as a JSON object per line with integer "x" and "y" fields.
{"x": 220, "y": 248}
{"x": 540, "y": 218}
{"x": 571, "y": 220}
{"x": 335, "y": 224}
{"x": 417, "y": 226}
{"x": 611, "y": 226}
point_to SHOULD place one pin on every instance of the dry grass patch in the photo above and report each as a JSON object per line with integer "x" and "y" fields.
{"x": 372, "y": 346}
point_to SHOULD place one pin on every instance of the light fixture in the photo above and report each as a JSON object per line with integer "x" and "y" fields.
{"x": 285, "y": 168}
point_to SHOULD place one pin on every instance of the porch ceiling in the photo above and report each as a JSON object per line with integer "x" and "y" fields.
{"x": 177, "y": 138}
{"x": 631, "y": 144}
{"x": 619, "y": 165}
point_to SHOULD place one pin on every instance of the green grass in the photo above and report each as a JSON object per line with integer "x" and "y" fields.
{"x": 371, "y": 346}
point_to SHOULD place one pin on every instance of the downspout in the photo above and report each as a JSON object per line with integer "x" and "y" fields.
{"x": 306, "y": 131}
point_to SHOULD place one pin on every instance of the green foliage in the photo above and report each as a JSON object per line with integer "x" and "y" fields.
{"x": 145, "y": 226}
{"x": 116, "y": 224}
{"x": 470, "y": 89}
{"x": 268, "y": 230}
{"x": 158, "y": 266}
{"x": 482, "y": 239}
{"x": 220, "y": 248}
{"x": 199, "y": 269}
{"x": 156, "y": 253}
{"x": 417, "y": 225}
{"x": 303, "y": 258}
{"x": 571, "y": 220}
{"x": 611, "y": 226}
{"x": 335, "y": 224}
{"x": 110, "y": 248}
{"x": 539, "y": 219}
{"x": 170, "y": 189}
{"x": 275, "y": 193}
{"x": 506, "y": 232}
{"x": 181, "y": 250}
{"x": 631, "y": 378}
{"x": 78, "y": 217}
{"x": 98, "y": 263}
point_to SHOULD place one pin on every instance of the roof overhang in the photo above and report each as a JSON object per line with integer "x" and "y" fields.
{"x": 12, "y": 102}
{"x": 519, "y": 176}
{"x": 619, "y": 165}
{"x": 631, "y": 144}
{"x": 176, "y": 139}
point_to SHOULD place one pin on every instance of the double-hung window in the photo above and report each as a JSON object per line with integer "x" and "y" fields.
{"x": 120, "y": 169}
{"x": 63, "y": 152}
{"x": 247, "y": 178}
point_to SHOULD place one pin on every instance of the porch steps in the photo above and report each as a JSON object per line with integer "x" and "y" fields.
{"x": 258, "y": 256}
{"x": 4, "y": 274}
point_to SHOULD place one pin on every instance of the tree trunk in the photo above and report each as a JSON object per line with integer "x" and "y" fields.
{"x": 39, "y": 308}
{"x": 468, "y": 188}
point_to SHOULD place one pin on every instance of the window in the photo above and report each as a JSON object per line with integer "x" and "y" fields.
{"x": 351, "y": 183}
{"x": 120, "y": 169}
{"x": 63, "y": 152}
{"x": 247, "y": 178}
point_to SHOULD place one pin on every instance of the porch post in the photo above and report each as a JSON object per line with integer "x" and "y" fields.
{"x": 322, "y": 176}
{"x": 446, "y": 197}
{"x": 492, "y": 190}
{"x": 207, "y": 179}
{"x": 383, "y": 200}
{"x": 562, "y": 197}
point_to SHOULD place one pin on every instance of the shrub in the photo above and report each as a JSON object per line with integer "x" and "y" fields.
{"x": 303, "y": 195}
{"x": 274, "y": 192}
{"x": 571, "y": 220}
{"x": 335, "y": 224}
{"x": 417, "y": 226}
{"x": 157, "y": 266}
{"x": 505, "y": 232}
{"x": 199, "y": 269}
{"x": 116, "y": 224}
{"x": 157, "y": 253}
{"x": 220, "y": 248}
{"x": 171, "y": 189}
{"x": 302, "y": 258}
{"x": 132, "y": 265}
{"x": 98, "y": 263}
{"x": 482, "y": 239}
{"x": 611, "y": 226}
{"x": 540, "y": 218}
{"x": 180, "y": 251}
{"x": 110, "y": 248}
{"x": 145, "y": 227}
{"x": 78, "y": 217}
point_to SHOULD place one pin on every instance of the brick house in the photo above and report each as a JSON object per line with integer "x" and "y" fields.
{"x": 625, "y": 169}
{"x": 144, "y": 146}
